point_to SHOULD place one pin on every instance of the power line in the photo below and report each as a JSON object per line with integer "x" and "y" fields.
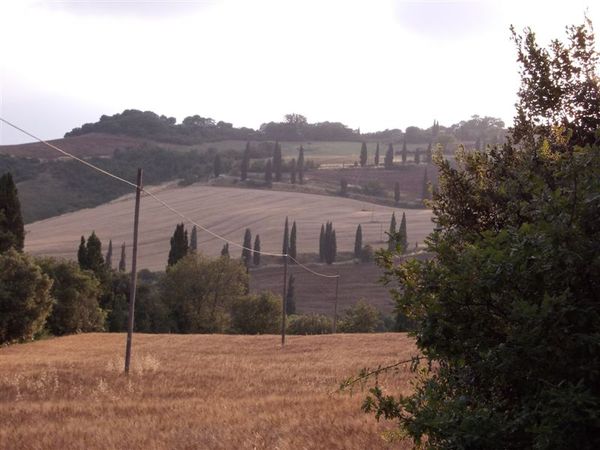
{"x": 162, "y": 202}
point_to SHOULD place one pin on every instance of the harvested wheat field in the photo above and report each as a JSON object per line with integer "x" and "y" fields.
{"x": 195, "y": 391}
{"x": 227, "y": 211}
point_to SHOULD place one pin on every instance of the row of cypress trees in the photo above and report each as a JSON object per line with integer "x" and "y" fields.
{"x": 274, "y": 166}
{"x": 388, "y": 161}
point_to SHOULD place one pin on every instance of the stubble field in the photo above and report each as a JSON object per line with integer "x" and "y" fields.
{"x": 195, "y": 391}
{"x": 227, "y": 211}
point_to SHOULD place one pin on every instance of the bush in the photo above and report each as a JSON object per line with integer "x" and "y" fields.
{"x": 360, "y": 318}
{"x": 366, "y": 254}
{"x": 75, "y": 293}
{"x": 374, "y": 188}
{"x": 256, "y": 314}
{"x": 309, "y": 324}
{"x": 25, "y": 300}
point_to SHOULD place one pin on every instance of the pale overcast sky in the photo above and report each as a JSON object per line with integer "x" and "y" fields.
{"x": 372, "y": 64}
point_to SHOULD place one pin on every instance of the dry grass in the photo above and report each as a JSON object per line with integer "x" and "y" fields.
{"x": 227, "y": 211}
{"x": 194, "y": 391}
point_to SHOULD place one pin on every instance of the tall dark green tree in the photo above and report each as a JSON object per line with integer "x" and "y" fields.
{"x": 388, "y": 161}
{"x": 404, "y": 152}
{"x": 95, "y": 260}
{"x": 396, "y": 192}
{"x": 330, "y": 243}
{"x": 301, "y": 165}
{"x": 322, "y": 244}
{"x": 194, "y": 239}
{"x": 247, "y": 250}
{"x": 402, "y": 238}
{"x": 363, "y": 154}
{"x": 285, "y": 248}
{"x": 245, "y": 163}
{"x": 269, "y": 173}
{"x": 179, "y": 245}
{"x": 122, "y": 262}
{"x": 392, "y": 233}
{"x": 293, "y": 251}
{"x": 425, "y": 188}
{"x": 225, "y": 251}
{"x": 277, "y": 161}
{"x": 358, "y": 242}
{"x": 12, "y": 230}
{"x": 256, "y": 255}
{"x": 293, "y": 171}
{"x": 82, "y": 257}
{"x": 376, "y": 159}
{"x": 109, "y": 253}
{"x": 290, "y": 296}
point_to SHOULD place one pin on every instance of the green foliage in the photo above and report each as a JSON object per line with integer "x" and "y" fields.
{"x": 301, "y": 167}
{"x": 108, "y": 257}
{"x": 286, "y": 238}
{"x": 290, "y": 296}
{"x": 358, "y": 247}
{"x": 366, "y": 255}
{"x": 388, "y": 161}
{"x": 256, "y": 254}
{"x": 76, "y": 298}
{"x": 327, "y": 244}
{"x": 363, "y": 155}
{"x": 245, "y": 163}
{"x": 194, "y": 239}
{"x": 269, "y": 174}
{"x": 309, "y": 324}
{"x": 277, "y": 161}
{"x": 217, "y": 169}
{"x": 179, "y": 245}
{"x": 293, "y": 239}
{"x": 392, "y": 234}
{"x": 25, "y": 300}
{"x": 199, "y": 292}
{"x": 322, "y": 244}
{"x": 374, "y": 188}
{"x": 344, "y": 187}
{"x": 225, "y": 251}
{"x": 256, "y": 314}
{"x": 122, "y": 260}
{"x": 404, "y": 152}
{"x": 402, "y": 237}
{"x": 12, "y": 231}
{"x": 362, "y": 317}
{"x": 376, "y": 158}
{"x": 247, "y": 250}
{"x": 507, "y": 313}
{"x": 293, "y": 170}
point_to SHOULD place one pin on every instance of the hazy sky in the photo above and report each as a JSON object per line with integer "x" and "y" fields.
{"x": 372, "y": 64}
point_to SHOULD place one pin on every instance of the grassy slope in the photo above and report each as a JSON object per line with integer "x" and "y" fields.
{"x": 194, "y": 391}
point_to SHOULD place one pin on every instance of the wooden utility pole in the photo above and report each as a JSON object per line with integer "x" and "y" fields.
{"x": 136, "y": 221}
{"x": 335, "y": 304}
{"x": 284, "y": 309}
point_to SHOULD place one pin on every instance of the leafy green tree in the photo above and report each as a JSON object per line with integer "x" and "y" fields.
{"x": 245, "y": 163}
{"x": 122, "y": 262}
{"x": 396, "y": 192}
{"x": 506, "y": 314}
{"x": 217, "y": 165}
{"x": 392, "y": 238}
{"x": 256, "y": 254}
{"x": 12, "y": 230}
{"x": 179, "y": 245}
{"x": 293, "y": 171}
{"x": 360, "y": 318}
{"x": 388, "y": 161}
{"x": 269, "y": 174}
{"x": 290, "y": 296}
{"x": 363, "y": 155}
{"x": 293, "y": 251}
{"x": 194, "y": 239}
{"x": 301, "y": 165}
{"x": 247, "y": 250}
{"x": 277, "y": 161}
{"x": 76, "y": 296}
{"x": 256, "y": 314}
{"x": 376, "y": 159}
{"x": 225, "y": 251}
{"x": 108, "y": 258}
{"x": 404, "y": 152}
{"x": 95, "y": 260}
{"x": 306, "y": 324}
{"x": 199, "y": 292}
{"x": 25, "y": 300}
{"x": 358, "y": 242}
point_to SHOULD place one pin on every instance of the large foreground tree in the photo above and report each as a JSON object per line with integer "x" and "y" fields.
{"x": 507, "y": 313}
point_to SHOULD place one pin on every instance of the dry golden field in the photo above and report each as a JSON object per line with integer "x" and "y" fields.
{"x": 227, "y": 211}
{"x": 195, "y": 392}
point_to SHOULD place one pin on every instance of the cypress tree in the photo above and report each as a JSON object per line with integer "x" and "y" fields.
{"x": 322, "y": 244}
{"x": 404, "y": 152}
{"x": 388, "y": 162}
{"x": 402, "y": 235}
{"x": 293, "y": 171}
{"x": 194, "y": 240}
{"x": 429, "y": 154}
{"x": 363, "y": 154}
{"x": 396, "y": 192}
{"x": 425, "y": 191}
{"x": 122, "y": 265}
{"x": 82, "y": 258}
{"x": 358, "y": 242}
{"x": 290, "y": 297}
{"x": 277, "y": 161}
{"x": 292, "y": 252}
{"x": 269, "y": 174}
{"x": 217, "y": 165}
{"x": 256, "y": 257}
{"x": 392, "y": 233}
{"x": 332, "y": 251}
{"x": 301, "y": 165}
{"x": 377, "y": 155}
{"x": 247, "y": 250}
{"x": 179, "y": 245}
{"x": 225, "y": 251}
{"x": 108, "y": 258}
{"x": 286, "y": 238}
{"x": 245, "y": 163}
{"x": 95, "y": 260}
{"x": 12, "y": 230}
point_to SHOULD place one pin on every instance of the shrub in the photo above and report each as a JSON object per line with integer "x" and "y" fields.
{"x": 360, "y": 318}
{"x": 256, "y": 314}
{"x": 309, "y": 324}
